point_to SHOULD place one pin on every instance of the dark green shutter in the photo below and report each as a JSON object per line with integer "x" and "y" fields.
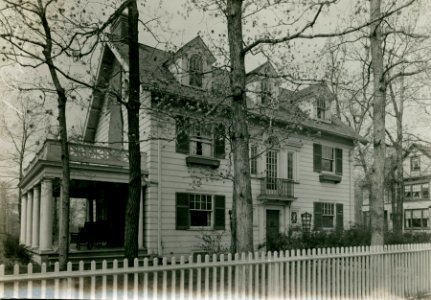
{"x": 339, "y": 217}
{"x": 219, "y": 141}
{"x": 317, "y": 215}
{"x": 317, "y": 158}
{"x": 182, "y": 218}
{"x": 219, "y": 212}
{"x": 338, "y": 161}
{"x": 182, "y": 141}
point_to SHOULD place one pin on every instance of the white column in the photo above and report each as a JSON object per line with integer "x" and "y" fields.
{"x": 23, "y": 226}
{"x": 28, "y": 231}
{"x": 141, "y": 222}
{"x": 36, "y": 219}
{"x": 46, "y": 215}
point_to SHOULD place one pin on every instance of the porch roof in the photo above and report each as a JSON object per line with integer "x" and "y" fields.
{"x": 87, "y": 162}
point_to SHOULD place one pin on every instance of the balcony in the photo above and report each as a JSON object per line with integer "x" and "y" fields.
{"x": 85, "y": 154}
{"x": 277, "y": 189}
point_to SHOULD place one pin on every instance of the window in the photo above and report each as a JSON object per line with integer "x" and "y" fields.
{"x": 253, "y": 160}
{"x": 416, "y": 218}
{"x": 200, "y": 139}
{"x": 416, "y": 191}
{"x": 271, "y": 170}
{"x": 328, "y": 215}
{"x": 265, "y": 91}
{"x": 320, "y": 109}
{"x": 195, "y": 70}
{"x": 289, "y": 165}
{"x": 200, "y": 210}
{"x": 327, "y": 159}
{"x": 415, "y": 163}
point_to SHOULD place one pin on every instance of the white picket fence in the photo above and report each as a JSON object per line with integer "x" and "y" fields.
{"x": 390, "y": 272}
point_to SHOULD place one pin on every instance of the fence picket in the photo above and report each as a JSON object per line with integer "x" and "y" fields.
{"x": 1, "y": 283}
{"x": 214, "y": 284}
{"x": 155, "y": 279}
{"x": 207, "y": 278}
{"x": 145, "y": 283}
{"x": 181, "y": 278}
{"x": 69, "y": 281}
{"x": 221, "y": 276}
{"x": 135, "y": 280}
{"x": 56, "y": 281}
{"x": 115, "y": 280}
{"x": 190, "y": 293}
{"x": 249, "y": 291}
{"x": 42, "y": 283}
{"x": 93, "y": 281}
{"x": 173, "y": 278}
{"x": 125, "y": 279}
{"x": 16, "y": 283}
{"x": 104, "y": 280}
{"x": 81, "y": 281}
{"x": 164, "y": 280}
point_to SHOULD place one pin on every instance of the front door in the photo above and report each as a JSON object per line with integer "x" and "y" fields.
{"x": 272, "y": 227}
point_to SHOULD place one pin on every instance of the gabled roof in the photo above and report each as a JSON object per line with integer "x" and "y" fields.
{"x": 197, "y": 42}
{"x": 156, "y": 77}
{"x": 258, "y": 73}
{"x": 426, "y": 150}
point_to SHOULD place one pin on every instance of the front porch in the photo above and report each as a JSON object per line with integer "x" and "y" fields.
{"x": 98, "y": 194}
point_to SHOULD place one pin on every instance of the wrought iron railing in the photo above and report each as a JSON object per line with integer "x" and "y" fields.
{"x": 278, "y": 187}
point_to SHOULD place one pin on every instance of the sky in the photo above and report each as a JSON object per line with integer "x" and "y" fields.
{"x": 175, "y": 23}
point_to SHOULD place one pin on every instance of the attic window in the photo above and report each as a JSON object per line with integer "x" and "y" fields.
{"x": 320, "y": 109}
{"x": 195, "y": 70}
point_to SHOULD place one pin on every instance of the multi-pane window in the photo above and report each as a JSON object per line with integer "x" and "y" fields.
{"x": 416, "y": 191}
{"x": 415, "y": 163}
{"x": 201, "y": 140}
{"x": 195, "y": 70}
{"x": 416, "y": 218}
{"x": 200, "y": 210}
{"x": 289, "y": 165}
{"x": 320, "y": 108}
{"x": 271, "y": 170}
{"x": 327, "y": 159}
{"x": 253, "y": 159}
{"x": 328, "y": 214}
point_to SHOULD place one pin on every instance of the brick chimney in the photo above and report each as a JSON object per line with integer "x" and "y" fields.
{"x": 119, "y": 28}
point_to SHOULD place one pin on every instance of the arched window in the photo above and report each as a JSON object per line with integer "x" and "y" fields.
{"x": 195, "y": 70}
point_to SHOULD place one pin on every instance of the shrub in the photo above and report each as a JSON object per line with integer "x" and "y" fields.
{"x": 16, "y": 252}
{"x": 212, "y": 242}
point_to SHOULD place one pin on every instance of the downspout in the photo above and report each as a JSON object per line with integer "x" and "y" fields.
{"x": 159, "y": 192}
{"x": 352, "y": 198}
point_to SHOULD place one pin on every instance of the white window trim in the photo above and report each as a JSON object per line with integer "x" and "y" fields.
{"x": 212, "y": 212}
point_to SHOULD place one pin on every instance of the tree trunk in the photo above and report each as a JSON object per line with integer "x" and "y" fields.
{"x": 379, "y": 102}
{"x": 239, "y": 136}
{"x": 133, "y": 105}
{"x": 63, "y": 243}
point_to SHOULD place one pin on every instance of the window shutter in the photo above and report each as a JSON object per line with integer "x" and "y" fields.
{"x": 317, "y": 158}
{"x": 182, "y": 142}
{"x": 317, "y": 215}
{"x": 219, "y": 212}
{"x": 219, "y": 141}
{"x": 338, "y": 161}
{"x": 339, "y": 217}
{"x": 182, "y": 211}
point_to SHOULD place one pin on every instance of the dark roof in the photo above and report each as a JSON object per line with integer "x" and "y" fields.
{"x": 156, "y": 77}
{"x": 426, "y": 150}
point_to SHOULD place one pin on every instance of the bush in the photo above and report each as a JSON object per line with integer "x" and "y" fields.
{"x": 212, "y": 242}
{"x": 356, "y": 236}
{"x": 16, "y": 252}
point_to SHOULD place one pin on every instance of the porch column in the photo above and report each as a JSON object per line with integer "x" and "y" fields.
{"x": 46, "y": 215}
{"x": 141, "y": 222}
{"x": 36, "y": 219}
{"x": 28, "y": 231}
{"x": 23, "y": 226}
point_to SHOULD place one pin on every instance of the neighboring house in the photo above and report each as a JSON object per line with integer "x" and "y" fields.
{"x": 417, "y": 202}
{"x": 301, "y": 156}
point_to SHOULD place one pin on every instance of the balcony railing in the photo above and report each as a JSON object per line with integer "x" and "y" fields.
{"x": 277, "y": 188}
{"x": 86, "y": 153}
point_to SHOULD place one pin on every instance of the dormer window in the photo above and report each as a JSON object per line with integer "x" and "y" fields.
{"x": 415, "y": 163}
{"x": 321, "y": 109}
{"x": 265, "y": 91}
{"x": 195, "y": 70}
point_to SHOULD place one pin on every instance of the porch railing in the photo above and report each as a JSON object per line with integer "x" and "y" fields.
{"x": 85, "y": 153}
{"x": 389, "y": 272}
{"x": 278, "y": 187}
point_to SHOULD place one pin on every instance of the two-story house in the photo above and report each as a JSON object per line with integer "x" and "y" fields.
{"x": 417, "y": 202}
{"x": 301, "y": 156}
